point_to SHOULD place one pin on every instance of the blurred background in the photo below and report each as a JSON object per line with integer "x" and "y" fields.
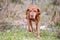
{"x": 13, "y": 19}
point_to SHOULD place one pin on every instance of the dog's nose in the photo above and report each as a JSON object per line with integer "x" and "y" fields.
{"x": 32, "y": 16}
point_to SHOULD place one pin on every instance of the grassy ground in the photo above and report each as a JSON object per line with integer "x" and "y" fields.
{"x": 25, "y": 35}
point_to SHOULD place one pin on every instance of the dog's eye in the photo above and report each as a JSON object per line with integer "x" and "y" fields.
{"x": 30, "y": 10}
{"x": 34, "y": 11}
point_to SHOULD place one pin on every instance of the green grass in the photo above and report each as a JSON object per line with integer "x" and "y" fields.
{"x": 45, "y": 35}
{"x": 25, "y": 35}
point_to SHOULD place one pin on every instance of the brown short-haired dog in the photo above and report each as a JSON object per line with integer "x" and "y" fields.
{"x": 33, "y": 14}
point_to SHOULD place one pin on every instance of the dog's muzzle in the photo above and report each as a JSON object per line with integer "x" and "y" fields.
{"x": 32, "y": 15}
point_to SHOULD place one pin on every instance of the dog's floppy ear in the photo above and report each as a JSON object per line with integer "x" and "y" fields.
{"x": 27, "y": 14}
{"x": 27, "y": 11}
{"x": 38, "y": 10}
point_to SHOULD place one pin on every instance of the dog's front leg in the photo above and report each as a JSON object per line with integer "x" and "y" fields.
{"x": 38, "y": 28}
{"x": 29, "y": 25}
{"x": 32, "y": 29}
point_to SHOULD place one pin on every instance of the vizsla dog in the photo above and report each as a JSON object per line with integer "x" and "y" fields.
{"x": 33, "y": 15}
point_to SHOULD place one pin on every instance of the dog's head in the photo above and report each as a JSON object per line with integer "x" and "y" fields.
{"x": 33, "y": 12}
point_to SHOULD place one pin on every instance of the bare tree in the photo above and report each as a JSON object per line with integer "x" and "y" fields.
{"x": 55, "y": 15}
{"x": 5, "y": 8}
